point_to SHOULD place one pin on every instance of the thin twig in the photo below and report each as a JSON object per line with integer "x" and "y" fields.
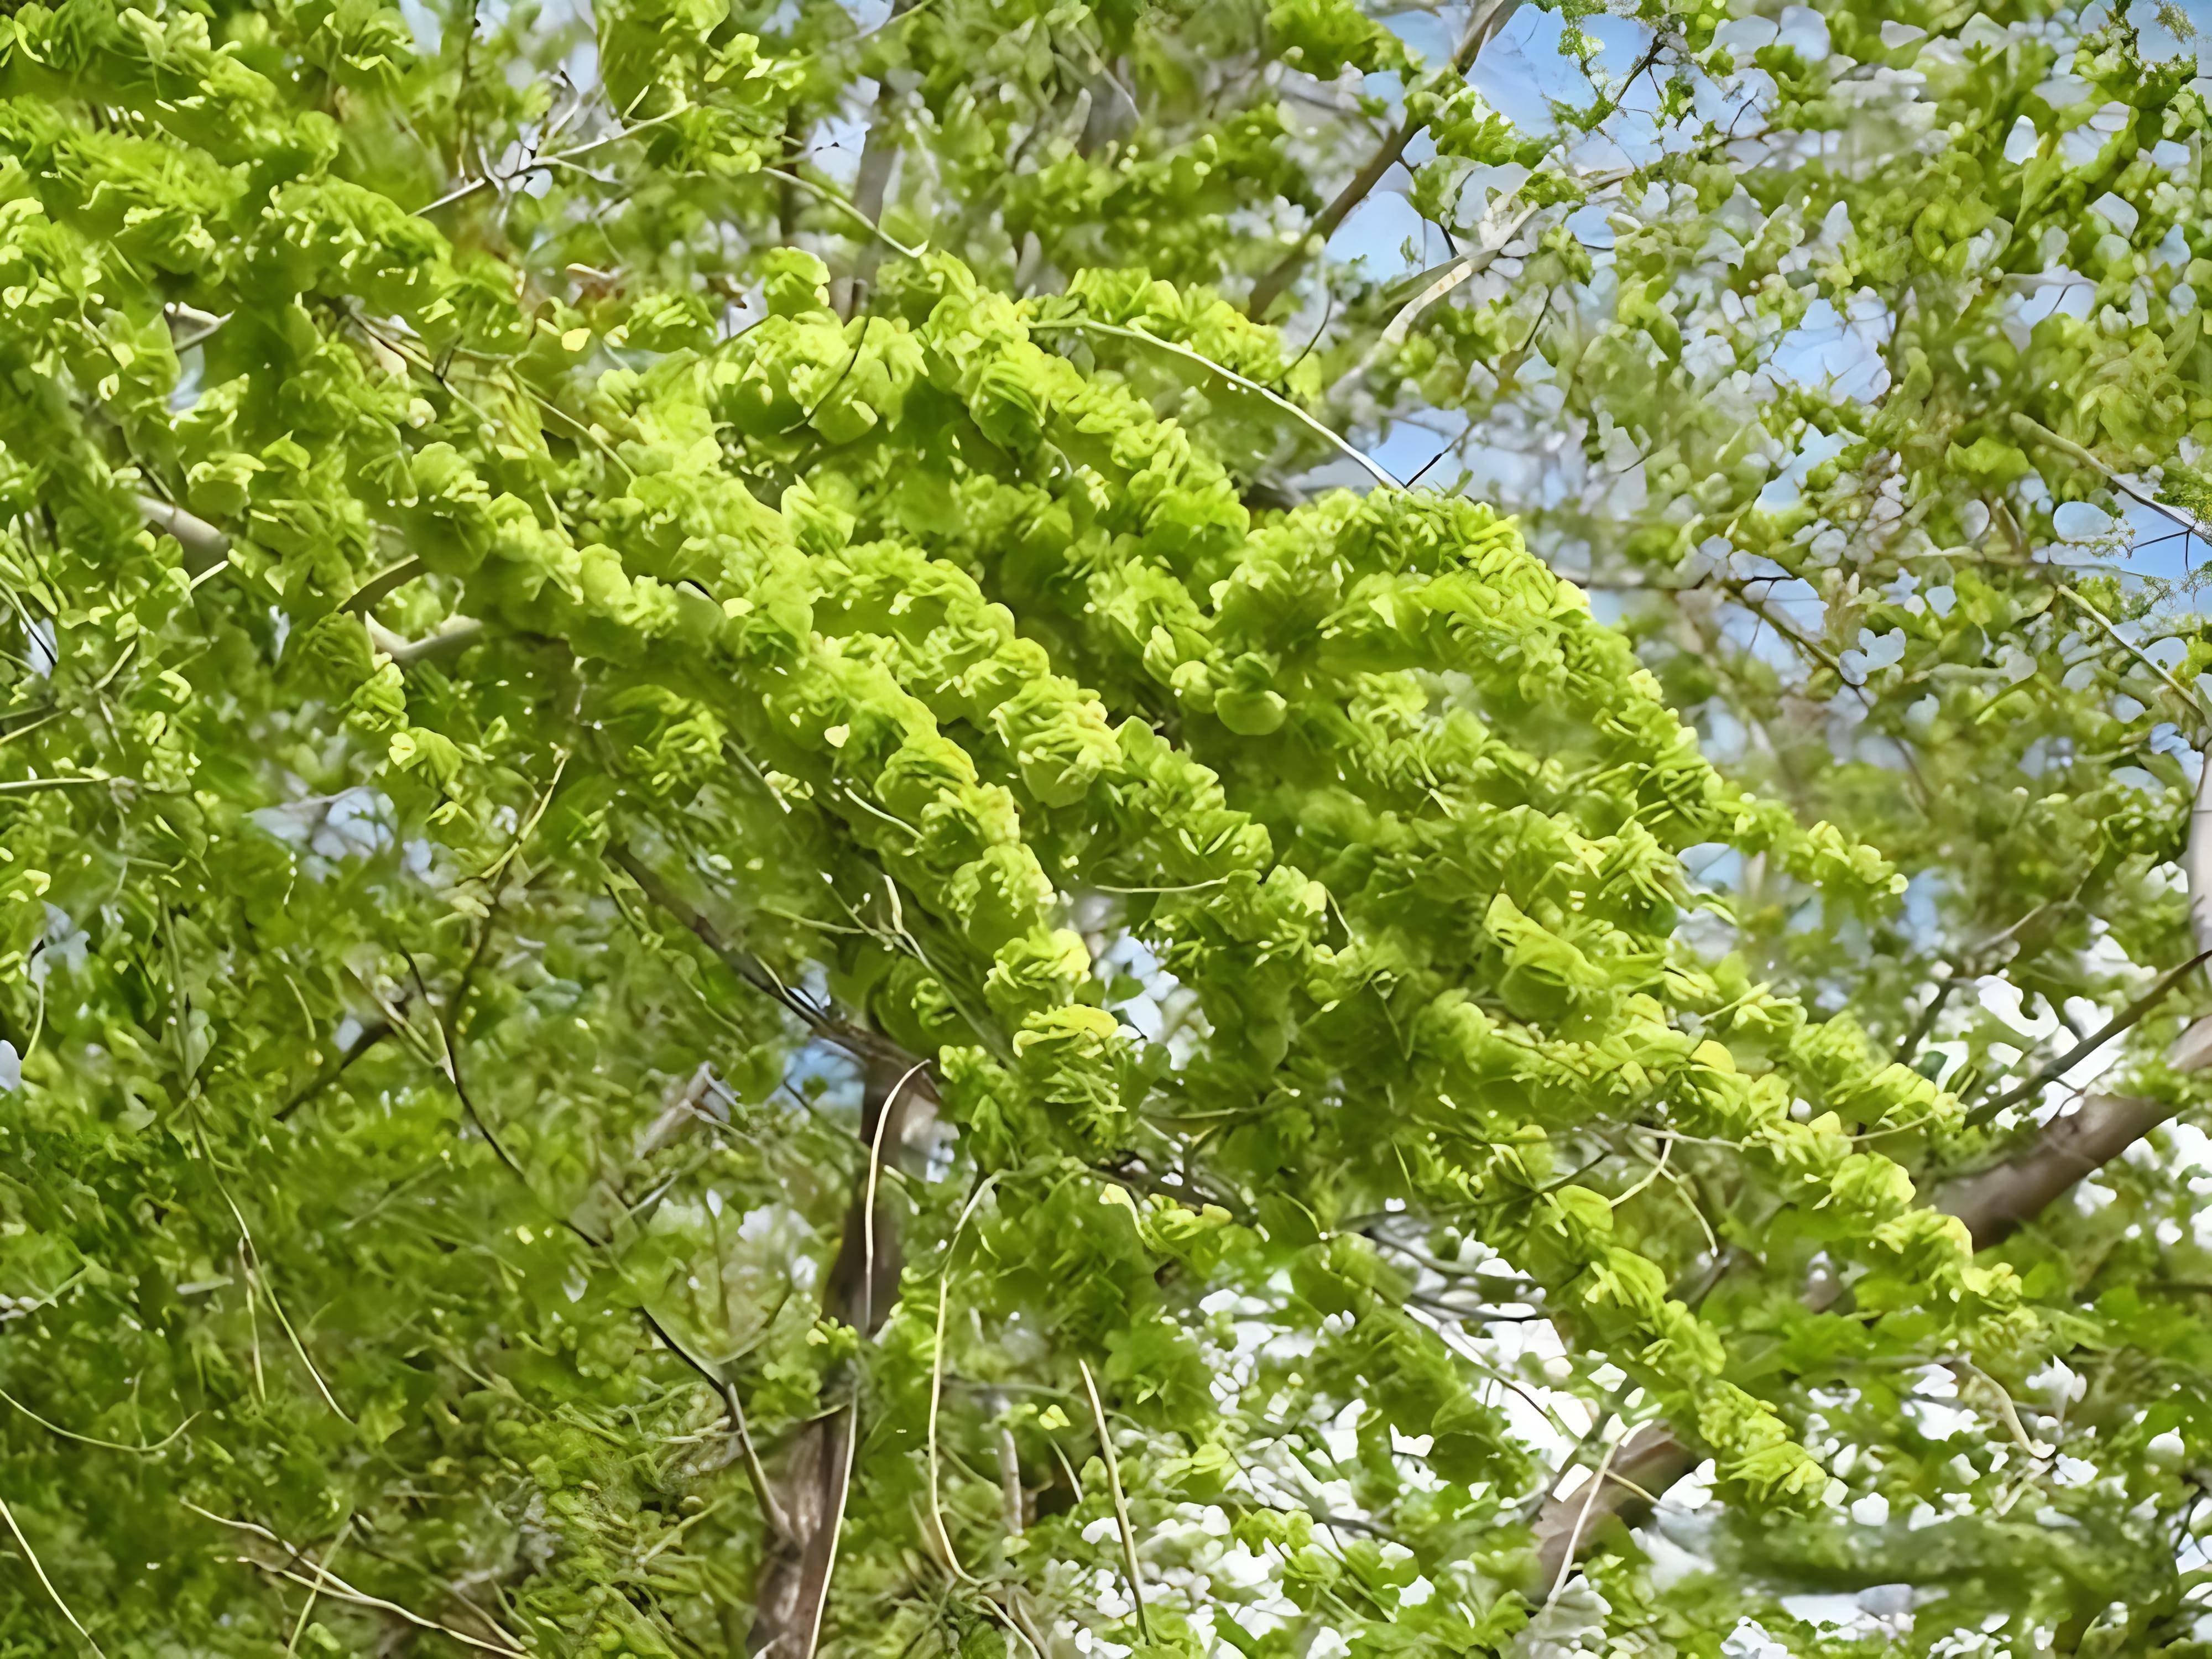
{"x": 822, "y": 193}
{"x": 2188, "y": 697}
{"x": 863, "y": 1045}
{"x": 1911, "y": 1043}
{"x": 92, "y": 1440}
{"x": 537, "y": 163}
{"x": 322, "y": 1569}
{"x": 1457, "y": 270}
{"x": 763, "y": 1489}
{"x": 937, "y": 1379}
{"x": 370, "y": 1036}
{"x": 2034, "y": 428}
{"x": 2129, "y": 1015}
{"x": 33, "y": 786}
{"x": 1483, "y": 25}
{"x": 252, "y": 1258}
{"x": 521, "y": 836}
{"x": 2007, "y": 1407}
{"x": 1574, "y": 1537}
{"x": 31, "y": 1555}
{"x": 334, "y": 1585}
{"x": 1120, "y": 1503}
{"x": 1335, "y": 438}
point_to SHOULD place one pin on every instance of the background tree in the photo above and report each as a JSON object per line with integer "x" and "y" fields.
{"x": 816, "y": 834}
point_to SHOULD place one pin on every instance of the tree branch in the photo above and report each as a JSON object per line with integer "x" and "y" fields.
{"x": 862, "y": 1044}
{"x": 453, "y": 636}
{"x": 371, "y": 1034}
{"x": 1995, "y": 1204}
{"x": 878, "y": 155}
{"x": 763, "y": 1492}
{"x": 1650, "y": 1461}
{"x": 1373, "y": 468}
{"x": 205, "y": 547}
{"x": 2128, "y": 1017}
{"x": 1482, "y": 28}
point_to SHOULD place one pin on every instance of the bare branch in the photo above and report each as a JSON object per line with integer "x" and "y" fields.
{"x": 1336, "y": 439}
{"x": 31, "y": 1556}
{"x": 1120, "y": 1503}
{"x": 331, "y": 1584}
{"x": 857, "y": 1041}
{"x": 740, "y": 1425}
{"x": 371, "y": 1034}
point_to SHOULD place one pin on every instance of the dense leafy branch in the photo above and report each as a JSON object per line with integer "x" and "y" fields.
{"x": 760, "y": 891}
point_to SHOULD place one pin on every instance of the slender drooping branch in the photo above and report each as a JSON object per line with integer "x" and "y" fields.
{"x": 1334, "y": 438}
{"x": 2193, "y": 1049}
{"x": 734, "y": 1407}
{"x": 1993, "y": 1203}
{"x": 862, "y": 1286}
{"x": 1120, "y": 1503}
{"x": 1489, "y": 17}
{"x": 2031, "y": 429}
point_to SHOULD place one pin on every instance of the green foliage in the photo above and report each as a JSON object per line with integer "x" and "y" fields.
{"x": 685, "y": 787}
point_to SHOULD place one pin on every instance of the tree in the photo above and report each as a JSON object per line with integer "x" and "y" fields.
{"x": 761, "y": 891}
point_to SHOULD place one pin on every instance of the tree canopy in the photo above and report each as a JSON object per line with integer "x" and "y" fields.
{"x": 821, "y": 833}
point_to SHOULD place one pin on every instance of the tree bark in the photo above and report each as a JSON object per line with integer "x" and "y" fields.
{"x": 205, "y": 547}
{"x": 862, "y": 1285}
{"x": 1649, "y": 1459}
{"x": 1997, "y": 1202}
